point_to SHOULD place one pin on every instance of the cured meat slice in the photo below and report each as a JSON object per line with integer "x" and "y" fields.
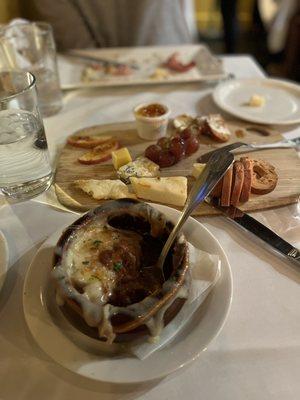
{"x": 174, "y": 64}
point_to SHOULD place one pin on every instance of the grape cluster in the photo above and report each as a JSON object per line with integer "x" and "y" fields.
{"x": 169, "y": 150}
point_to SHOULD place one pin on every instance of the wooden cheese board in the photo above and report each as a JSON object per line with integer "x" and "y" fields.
{"x": 286, "y": 162}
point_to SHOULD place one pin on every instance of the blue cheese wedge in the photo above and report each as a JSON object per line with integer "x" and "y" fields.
{"x": 141, "y": 167}
{"x": 167, "y": 190}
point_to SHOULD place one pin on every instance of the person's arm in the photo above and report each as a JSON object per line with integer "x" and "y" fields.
{"x": 70, "y": 29}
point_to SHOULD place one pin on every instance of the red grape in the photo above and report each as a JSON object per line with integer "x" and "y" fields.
{"x": 176, "y": 138}
{"x": 177, "y": 148}
{"x": 201, "y": 130}
{"x": 166, "y": 159}
{"x": 163, "y": 143}
{"x": 186, "y": 133}
{"x": 152, "y": 152}
{"x": 191, "y": 145}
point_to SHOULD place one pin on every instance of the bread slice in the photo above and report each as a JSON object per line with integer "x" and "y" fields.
{"x": 226, "y": 188}
{"x": 237, "y": 184}
{"x": 169, "y": 190}
{"x": 215, "y": 126}
{"x": 248, "y": 172}
{"x": 104, "y": 189}
{"x": 264, "y": 177}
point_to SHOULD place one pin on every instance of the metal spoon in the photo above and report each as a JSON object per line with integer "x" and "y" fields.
{"x": 214, "y": 170}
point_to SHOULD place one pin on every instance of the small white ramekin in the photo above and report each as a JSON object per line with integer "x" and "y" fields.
{"x": 151, "y": 128}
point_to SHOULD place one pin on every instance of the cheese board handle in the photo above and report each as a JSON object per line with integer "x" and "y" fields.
{"x": 214, "y": 170}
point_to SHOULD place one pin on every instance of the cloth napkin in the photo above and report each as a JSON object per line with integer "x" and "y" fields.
{"x": 205, "y": 271}
{"x": 19, "y": 40}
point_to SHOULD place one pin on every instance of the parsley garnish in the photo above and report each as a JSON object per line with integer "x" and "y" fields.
{"x": 118, "y": 266}
{"x": 96, "y": 242}
{"x": 85, "y": 262}
{"x": 93, "y": 278}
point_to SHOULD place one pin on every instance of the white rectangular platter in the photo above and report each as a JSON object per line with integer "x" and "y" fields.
{"x": 207, "y": 67}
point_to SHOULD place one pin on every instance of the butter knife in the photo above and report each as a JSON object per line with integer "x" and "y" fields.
{"x": 265, "y": 234}
{"x": 99, "y": 60}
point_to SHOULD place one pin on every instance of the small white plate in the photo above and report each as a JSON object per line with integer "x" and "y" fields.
{"x": 282, "y": 105}
{"x": 83, "y": 355}
{"x": 3, "y": 258}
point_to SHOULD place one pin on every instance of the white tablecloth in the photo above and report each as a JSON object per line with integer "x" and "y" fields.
{"x": 257, "y": 354}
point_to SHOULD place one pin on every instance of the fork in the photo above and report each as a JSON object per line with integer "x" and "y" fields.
{"x": 246, "y": 147}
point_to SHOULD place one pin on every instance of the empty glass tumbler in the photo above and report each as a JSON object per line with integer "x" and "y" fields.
{"x": 25, "y": 169}
{"x": 31, "y": 47}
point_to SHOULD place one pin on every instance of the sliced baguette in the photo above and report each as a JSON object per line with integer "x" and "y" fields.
{"x": 88, "y": 141}
{"x": 215, "y": 126}
{"x": 226, "y": 188}
{"x": 100, "y": 153}
{"x": 238, "y": 180}
{"x": 264, "y": 177}
{"x": 246, "y": 189}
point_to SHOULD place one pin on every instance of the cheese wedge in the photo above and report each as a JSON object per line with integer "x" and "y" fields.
{"x": 104, "y": 189}
{"x": 171, "y": 190}
{"x": 160, "y": 73}
{"x": 141, "y": 167}
{"x": 120, "y": 157}
{"x": 197, "y": 169}
{"x": 257, "y": 101}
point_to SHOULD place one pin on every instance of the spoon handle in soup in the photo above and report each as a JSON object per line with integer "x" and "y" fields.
{"x": 214, "y": 170}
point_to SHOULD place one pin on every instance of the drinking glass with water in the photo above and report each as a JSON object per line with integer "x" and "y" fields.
{"x": 31, "y": 47}
{"x": 25, "y": 169}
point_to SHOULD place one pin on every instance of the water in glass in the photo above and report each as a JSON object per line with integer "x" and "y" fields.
{"x": 24, "y": 161}
{"x": 49, "y": 93}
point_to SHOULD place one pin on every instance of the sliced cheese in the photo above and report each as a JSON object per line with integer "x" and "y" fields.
{"x": 171, "y": 190}
{"x": 141, "y": 167}
{"x": 197, "y": 169}
{"x": 92, "y": 74}
{"x": 121, "y": 157}
{"x": 160, "y": 73}
{"x": 104, "y": 189}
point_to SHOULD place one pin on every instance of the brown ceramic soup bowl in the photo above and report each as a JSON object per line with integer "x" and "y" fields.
{"x": 104, "y": 269}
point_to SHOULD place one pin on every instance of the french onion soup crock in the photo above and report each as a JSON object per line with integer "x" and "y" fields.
{"x": 105, "y": 273}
